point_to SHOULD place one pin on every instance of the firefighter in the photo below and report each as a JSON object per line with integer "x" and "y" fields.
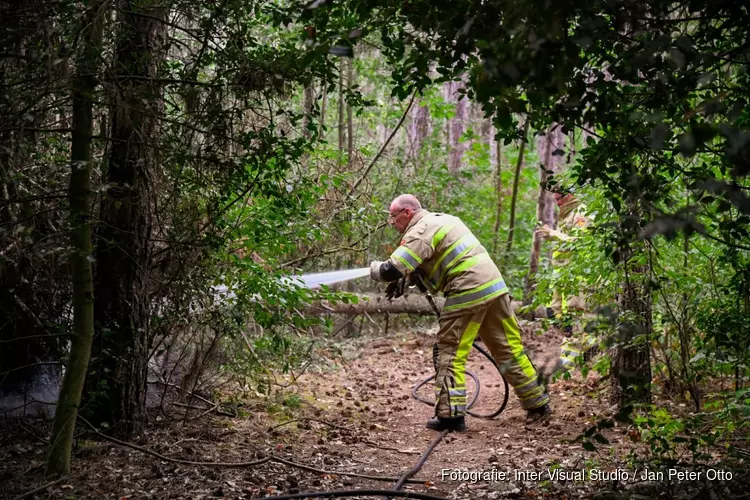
{"x": 450, "y": 259}
{"x": 571, "y": 220}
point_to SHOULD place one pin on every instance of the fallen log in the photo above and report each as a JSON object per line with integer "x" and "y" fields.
{"x": 408, "y": 304}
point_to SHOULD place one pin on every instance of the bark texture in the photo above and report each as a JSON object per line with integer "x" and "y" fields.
{"x": 124, "y": 249}
{"x": 378, "y": 304}
{"x": 631, "y": 360}
{"x": 514, "y": 195}
{"x": 456, "y": 125}
{"x": 66, "y": 412}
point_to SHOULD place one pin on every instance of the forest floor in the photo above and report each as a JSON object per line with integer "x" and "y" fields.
{"x": 358, "y": 417}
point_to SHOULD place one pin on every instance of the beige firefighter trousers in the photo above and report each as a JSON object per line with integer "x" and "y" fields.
{"x": 497, "y": 326}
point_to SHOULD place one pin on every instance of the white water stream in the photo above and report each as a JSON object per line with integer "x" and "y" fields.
{"x": 315, "y": 280}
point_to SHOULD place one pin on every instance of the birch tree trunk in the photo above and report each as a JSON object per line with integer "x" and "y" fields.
{"x": 308, "y": 102}
{"x": 498, "y": 158}
{"x": 69, "y": 400}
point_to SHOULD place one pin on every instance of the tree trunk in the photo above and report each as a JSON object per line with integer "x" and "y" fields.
{"x": 553, "y": 140}
{"x": 418, "y": 130}
{"x": 631, "y": 359}
{"x": 514, "y": 196}
{"x": 118, "y": 386}
{"x": 69, "y": 400}
{"x": 349, "y": 114}
{"x": 350, "y": 330}
{"x": 342, "y": 133}
{"x": 498, "y": 190}
{"x": 378, "y": 304}
{"x": 323, "y": 109}
{"x": 456, "y": 125}
{"x": 308, "y": 102}
{"x": 631, "y": 362}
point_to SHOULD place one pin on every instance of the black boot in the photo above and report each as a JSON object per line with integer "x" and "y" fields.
{"x": 538, "y": 415}
{"x": 457, "y": 424}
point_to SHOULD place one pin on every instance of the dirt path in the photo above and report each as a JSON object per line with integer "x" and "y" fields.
{"x": 359, "y": 418}
{"x": 373, "y": 393}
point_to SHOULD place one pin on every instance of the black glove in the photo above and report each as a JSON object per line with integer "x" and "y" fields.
{"x": 395, "y": 289}
{"x": 417, "y": 279}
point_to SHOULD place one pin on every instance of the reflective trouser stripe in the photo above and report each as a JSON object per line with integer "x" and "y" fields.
{"x": 568, "y": 355}
{"x": 407, "y": 257}
{"x": 501, "y": 333}
{"x": 454, "y": 343}
{"x": 571, "y": 350}
{"x": 498, "y": 328}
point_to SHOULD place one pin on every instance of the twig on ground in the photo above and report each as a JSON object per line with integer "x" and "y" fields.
{"x": 389, "y": 448}
{"x": 34, "y": 434}
{"x": 169, "y": 459}
{"x": 213, "y": 409}
{"x": 181, "y": 441}
{"x": 207, "y": 401}
{"x": 236, "y": 464}
{"x": 40, "y": 488}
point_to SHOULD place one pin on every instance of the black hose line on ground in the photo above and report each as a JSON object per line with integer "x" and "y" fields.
{"x": 420, "y": 462}
{"x": 415, "y": 389}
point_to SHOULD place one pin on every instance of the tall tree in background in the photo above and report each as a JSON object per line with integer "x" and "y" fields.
{"x": 124, "y": 242}
{"x": 631, "y": 360}
{"x": 514, "y": 195}
{"x": 456, "y": 124}
{"x": 419, "y": 128}
{"x": 84, "y": 85}
{"x": 550, "y": 146}
{"x": 498, "y": 155}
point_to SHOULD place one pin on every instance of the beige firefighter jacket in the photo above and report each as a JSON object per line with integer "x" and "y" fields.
{"x": 571, "y": 220}
{"x": 451, "y": 260}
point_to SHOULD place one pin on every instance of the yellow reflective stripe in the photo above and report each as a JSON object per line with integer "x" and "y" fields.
{"x": 406, "y": 256}
{"x": 530, "y": 381}
{"x": 405, "y": 262}
{"x": 462, "y": 353}
{"x": 479, "y": 288}
{"x": 469, "y": 263}
{"x": 441, "y": 234}
{"x": 446, "y": 253}
{"x": 513, "y": 337}
{"x": 452, "y": 255}
{"x": 534, "y": 393}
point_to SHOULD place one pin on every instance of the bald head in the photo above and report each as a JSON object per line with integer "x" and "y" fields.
{"x": 406, "y": 201}
{"x": 402, "y": 210}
